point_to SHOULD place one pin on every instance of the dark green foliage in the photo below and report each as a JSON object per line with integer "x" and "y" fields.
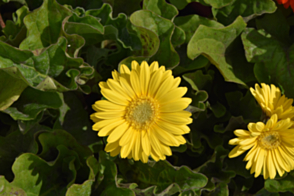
{"x": 53, "y": 53}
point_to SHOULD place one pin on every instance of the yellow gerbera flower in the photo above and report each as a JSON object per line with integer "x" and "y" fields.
{"x": 272, "y": 102}
{"x": 144, "y": 112}
{"x": 272, "y": 147}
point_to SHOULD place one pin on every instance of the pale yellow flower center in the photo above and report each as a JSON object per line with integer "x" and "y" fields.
{"x": 142, "y": 112}
{"x": 269, "y": 140}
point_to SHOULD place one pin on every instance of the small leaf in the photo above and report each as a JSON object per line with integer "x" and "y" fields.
{"x": 247, "y": 9}
{"x": 44, "y": 25}
{"x": 31, "y": 103}
{"x": 10, "y": 87}
{"x": 161, "y": 8}
{"x": 163, "y": 28}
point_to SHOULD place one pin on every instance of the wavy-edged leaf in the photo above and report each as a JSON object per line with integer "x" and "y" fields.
{"x": 248, "y": 9}
{"x": 273, "y": 59}
{"x": 163, "y": 28}
{"x": 223, "y": 48}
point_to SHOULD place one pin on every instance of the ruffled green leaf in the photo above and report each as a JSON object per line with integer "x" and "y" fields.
{"x": 164, "y": 178}
{"x": 163, "y": 29}
{"x": 161, "y": 8}
{"x": 31, "y": 103}
{"x": 44, "y": 25}
{"x": 247, "y": 9}
{"x": 15, "y": 31}
{"x": 10, "y": 88}
{"x": 15, "y": 144}
{"x": 271, "y": 57}
{"x": 223, "y": 48}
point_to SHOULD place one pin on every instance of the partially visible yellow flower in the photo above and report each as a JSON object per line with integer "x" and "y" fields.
{"x": 271, "y": 147}
{"x": 144, "y": 112}
{"x": 272, "y": 102}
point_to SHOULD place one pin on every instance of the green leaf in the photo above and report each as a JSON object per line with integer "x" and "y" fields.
{"x": 272, "y": 58}
{"x": 87, "y": 26}
{"x": 221, "y": 190}
{"x": 118, "y": 29}
{"x": 49, "y": 69}
{"x": 214, "y": 168}
{"x": 16, "y": 143}
{"x": 280, "y": 185}
{"x": 10, "y": 88}
{"x": 163, "y": 28}
{"x": 198, "y": 80}
{"x": 188, "y": 65}
{"x": 247, "y": 9}
{"x": 8, "y": 189}
{"x": 37, "y": 177}
{"x": 85, "y": 188}
{"x": 120, "y": 6}
{"x": 108, "y": 173}
{"x": 15, "y": 31}
{"x": 166, "y": 179}
{"x": 77, "y": 121}
{"x": 31, "y": 103}
{"x": 244, "y": 106}
{"x": 223, "y": 49}
{"x": 178, "y": 37}
{"x": 278, "y": 26}
{"x": 44, "y": 25}
{"x": 50, "y": 140}
{"x": 161, "y": 8}
{"x": 191, "y": 23}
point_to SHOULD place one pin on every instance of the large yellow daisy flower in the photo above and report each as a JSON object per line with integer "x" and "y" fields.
{"x": 272, "y": 102}
{"x": 144, "y": 112}
{"x": 272, "y": 147}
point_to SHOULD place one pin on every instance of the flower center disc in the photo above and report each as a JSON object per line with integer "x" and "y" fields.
{"x": 141, "y": 113}
{"x": 270, "y": 140}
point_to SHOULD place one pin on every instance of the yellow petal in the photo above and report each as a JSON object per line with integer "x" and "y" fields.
{"x": 176, "y": 106}
{"x": 154, "y": 66}
{"x": 103, "y": 85}
{"x": 107, "y": 105}
{"x": 124, "y": 69}
{"x": 173, "y": 119}
{"x": 136, "y": 148}
{"x": 166, "y": 150}
{"x": 127, "y": 86}
{"x": 115, "y": 152}
{"x": 172, "y": 95}
{"x": 135, "y": 66}
{"x": 165, "y": 137}
{"x": 118, "y": 132}
{"x": 155, "y": 144}
{"x": 125, "y": 151}
{"x": 173, "y": 129}
{"x": 145, "y": 142}
{"x": 111, "y": 146}
{"x": 114, "y": 97}
{"x": 105, "y": 131}
{"x": 135, "y": 81}
{"x": 103, "y": 123}
{"x": 241, "y": 133}
{"x": 259, "y": 162}
{"x": 270, "y": 165}
{"x": 115, "y": 75}
{"x": 144, "y": 77}
{"x": 236, "y": 152}
{"x": 115, "y": 86}
{"x": 109, "y": 115}
{"x": 127, "y": 136}
{"x": 164, "y": 87}
{"x": 155, "y": 83}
